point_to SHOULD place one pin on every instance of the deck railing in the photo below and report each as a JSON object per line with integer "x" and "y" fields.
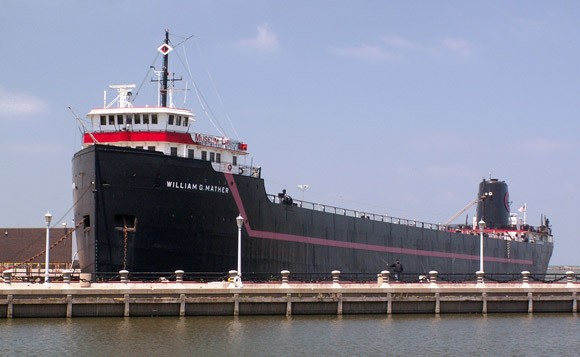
{"x": 499, "y": 234}
{"x": 355, "y": 213}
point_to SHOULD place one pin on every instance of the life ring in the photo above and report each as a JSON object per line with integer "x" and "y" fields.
{"x": 241, "y": 171}
{"x": 230, "y": 167}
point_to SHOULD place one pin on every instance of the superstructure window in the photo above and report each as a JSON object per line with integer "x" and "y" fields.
{"x": 153, "y": 118}
{"x": 151, "y": 148}
{"x": 178, "y": 121}
{"x": 190, "y": 153}
{"x": 138, "y": 147}
{"x": 170, "y": 122}
{"x": 173, "y": 151}
{"x": 137, "y": 118}
{"x": 218, "y": 157}
{"x": 103, "y": 120}
{"x": 235, "y": 160}
{"x": 211, "y": 156}
{"x": 204, "y": 155}
{"x": 119, "y": 119}
{"x": 129, "y": 119}
{"x": 145, "y": 118}
{"x": 87, "y": 222}
{"x": 185, "y": 121}
{"x": 111, "y": 120}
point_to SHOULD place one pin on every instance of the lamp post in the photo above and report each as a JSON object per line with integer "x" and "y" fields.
{"x": 481, "y": 226}
{"x": 303, "y": 188}
{"x": 47, "y": 219}
{"x": 240, "y": 221}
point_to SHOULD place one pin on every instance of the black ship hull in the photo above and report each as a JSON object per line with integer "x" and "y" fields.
{"x": 148, "y": 212}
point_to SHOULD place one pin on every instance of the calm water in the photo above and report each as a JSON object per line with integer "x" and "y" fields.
{"x": 448, "y": 335}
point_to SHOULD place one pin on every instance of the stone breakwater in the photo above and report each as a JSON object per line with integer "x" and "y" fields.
{"x": 179, "y": 298}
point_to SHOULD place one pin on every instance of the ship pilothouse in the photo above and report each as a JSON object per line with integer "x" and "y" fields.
{"x": 163, "y": 128}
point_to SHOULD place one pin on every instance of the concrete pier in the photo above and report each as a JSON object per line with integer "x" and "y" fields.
{"x": 285, "y": 298}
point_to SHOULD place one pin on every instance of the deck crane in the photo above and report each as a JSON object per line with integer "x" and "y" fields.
{"x": 468, "y": 206}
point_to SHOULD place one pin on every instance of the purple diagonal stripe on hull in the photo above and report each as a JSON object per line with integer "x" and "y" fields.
{"x": 350, "y": 245}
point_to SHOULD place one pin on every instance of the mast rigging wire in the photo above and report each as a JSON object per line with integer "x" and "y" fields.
{"x": 145, "y": 77}
{"x": 216, "y": 90}
{"x": 204, "y": 104}
{"x": 208, "y": 112}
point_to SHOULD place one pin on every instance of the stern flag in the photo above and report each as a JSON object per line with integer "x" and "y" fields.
{"x": 522, "y": 208}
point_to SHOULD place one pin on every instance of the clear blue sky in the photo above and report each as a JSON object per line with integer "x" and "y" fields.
{"x": 397, "y": 107}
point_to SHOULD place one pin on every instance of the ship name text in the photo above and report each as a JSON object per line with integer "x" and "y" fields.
{"x": 216, "y": 141}
{"x": 211, "y": 140}
{"x": 198, "y": 187}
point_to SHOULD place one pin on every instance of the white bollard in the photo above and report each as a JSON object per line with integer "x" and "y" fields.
{"x": 124, "y": 276}
{"x": 179, "y": 276}
{"x": 570, "y": 277}
{"x": 480, "y": 282}
{"x": 525, "y": 278}
{"x": 384, "y": 277}
{"x": 233, "y": 279}
{"x": 7, "y": 277}
{"x": 335, "y": 278}
{"x": 433, "y": 279}
{"x": 285, "y": 275}
{"x": 66, "y": 277}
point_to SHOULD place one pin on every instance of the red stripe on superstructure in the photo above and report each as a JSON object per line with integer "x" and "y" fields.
{"x": 350, "y": 245}
{"x": 137, "y": 136}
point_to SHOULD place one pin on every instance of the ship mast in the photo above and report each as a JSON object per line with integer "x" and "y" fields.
{"x": 165, "y": 50}
{"x": 163, "y": 83}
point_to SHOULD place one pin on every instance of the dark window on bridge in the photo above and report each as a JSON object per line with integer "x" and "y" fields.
{"x": 218, "y": 157}
{"x": 103, "y": 120}
{"x": 204, "y": 155}
{"x": 211, "y": 156}
{"x": 154, "y": 119}
{"x": 170, "y": 119}
{"x": 111, "y": 120}
{"x": 137, "y": 118}
{"x": 173, "y": 151}
{"x": 151, "y": 148}
{"x": 145, "y": 118}
{"x": 190, "y": 153}
{"x": 120, "y": 119}
{"x": 235, "y": 160}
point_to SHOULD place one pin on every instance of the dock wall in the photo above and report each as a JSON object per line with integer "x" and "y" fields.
{"x": 125, "y": 299}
